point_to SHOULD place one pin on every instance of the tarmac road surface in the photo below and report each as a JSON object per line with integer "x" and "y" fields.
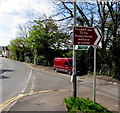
{"x": 13, "y": 76}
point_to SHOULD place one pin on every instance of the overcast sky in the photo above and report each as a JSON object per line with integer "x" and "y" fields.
{"x": 14, "y": 12}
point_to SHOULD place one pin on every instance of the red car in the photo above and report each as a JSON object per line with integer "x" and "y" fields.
{"x": 63, "y": 64}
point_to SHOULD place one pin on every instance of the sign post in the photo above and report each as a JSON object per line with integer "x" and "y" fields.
{"x": 94, "y": 76}
{"x": 88, "y": 36}
{"x": 73, "y": 77}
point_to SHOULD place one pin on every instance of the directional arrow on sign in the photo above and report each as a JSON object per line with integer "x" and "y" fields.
{"x": 86, "y": 36}
{"x": 98, "y": 36}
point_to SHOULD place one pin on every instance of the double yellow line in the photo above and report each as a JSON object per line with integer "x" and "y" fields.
{"x": 8, "y": 102}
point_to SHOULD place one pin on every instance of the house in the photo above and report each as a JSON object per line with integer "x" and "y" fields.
{"x": 5, "y": 52}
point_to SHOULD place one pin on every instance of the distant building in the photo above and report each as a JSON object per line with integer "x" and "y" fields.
{"x": 5, "y": 52}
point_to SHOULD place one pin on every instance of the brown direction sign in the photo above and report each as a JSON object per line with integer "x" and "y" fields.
{"x": 89, "y": 36}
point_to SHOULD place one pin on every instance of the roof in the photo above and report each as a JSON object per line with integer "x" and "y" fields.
{"x": 64, "y": 58}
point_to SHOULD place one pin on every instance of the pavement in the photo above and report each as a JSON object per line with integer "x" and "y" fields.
{"x": 53, "y": 100}
{"x": 48, "y": 101}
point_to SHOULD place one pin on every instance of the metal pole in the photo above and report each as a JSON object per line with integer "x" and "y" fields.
{"x": 74, "y": 91}
{"x": 94, "y": 77}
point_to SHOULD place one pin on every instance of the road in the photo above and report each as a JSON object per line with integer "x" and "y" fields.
{"x": 17, "y": 78}
{"x": 13, "y": 76}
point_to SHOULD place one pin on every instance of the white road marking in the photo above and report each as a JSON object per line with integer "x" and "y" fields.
{"x": 26, "y": 84}
{"x": 32, "y": 85}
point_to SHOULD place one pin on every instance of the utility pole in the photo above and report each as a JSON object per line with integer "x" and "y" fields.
{"x": 74, "y": 84}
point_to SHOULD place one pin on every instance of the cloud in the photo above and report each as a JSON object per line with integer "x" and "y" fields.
{"x": 5, "y": 38}
{"x": 14, "y": 12}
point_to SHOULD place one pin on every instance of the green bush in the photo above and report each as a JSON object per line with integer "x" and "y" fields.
{"x": 84, "y": 105}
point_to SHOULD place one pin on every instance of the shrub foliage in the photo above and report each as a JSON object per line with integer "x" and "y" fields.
{"x": 84, "y": 105}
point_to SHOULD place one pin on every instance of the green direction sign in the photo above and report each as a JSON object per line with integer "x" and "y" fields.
{"x": 81, "y": 47}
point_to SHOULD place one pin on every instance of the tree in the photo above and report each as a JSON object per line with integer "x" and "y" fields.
{"x": 109, "y": 18}
{"x": 22, "y": 31}
{"x": 45, "y": 40}
{"x": 17, "y": 48}
{"x": 104, "y": 15}
{"x": 114, "y": 25}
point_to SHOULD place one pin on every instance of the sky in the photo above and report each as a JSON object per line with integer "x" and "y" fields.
{"x": 15, "y": 12}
